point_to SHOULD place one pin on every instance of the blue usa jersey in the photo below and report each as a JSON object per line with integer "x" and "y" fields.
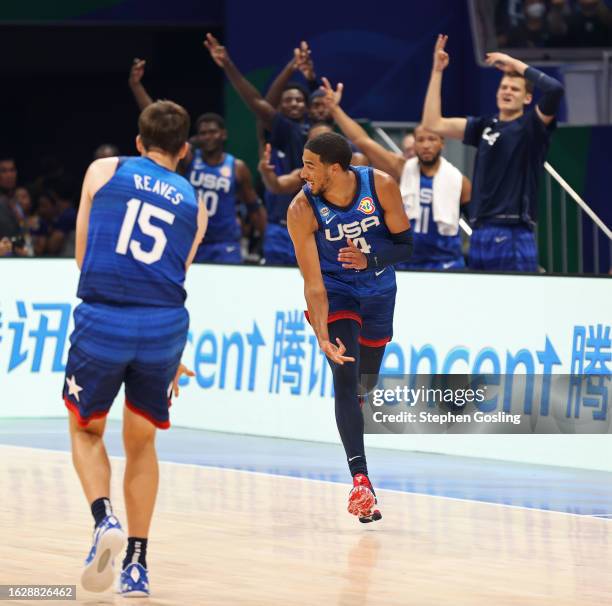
{"x": 141, "y": 228}
{"x": 216, "y": 187}
{"x": 429, "y": 244}
{"x": 362, "y": 221}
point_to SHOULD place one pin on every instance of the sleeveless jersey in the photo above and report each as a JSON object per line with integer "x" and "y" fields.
{"x": 216, "y": 187}
{"x": 141, "y": 228}
{"x": 362, "y": 221}
{"x": 429, "y": 244}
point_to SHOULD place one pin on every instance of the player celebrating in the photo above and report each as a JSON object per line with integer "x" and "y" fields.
{"x": 348, "y": 227}
{"x": 138, "y": 229}
{"x": 221, "y": 180}
{"x": 512, "y": 147}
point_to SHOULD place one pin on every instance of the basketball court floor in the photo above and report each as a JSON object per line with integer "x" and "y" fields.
{"x": 260, "y": 521}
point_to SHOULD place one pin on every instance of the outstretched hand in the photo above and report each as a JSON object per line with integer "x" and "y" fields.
{"x": 440, "y": 57}
{"x": 501, "y": 61}
{"x": 218, "y": 52}
{"x": 332, "y": 97}
{"x": 303, "y": 61}
{"x": 265, "y": 162}
{"x": 336, "y": 352}
{"x": 137, "y": 71}
{"x": 351, "y": 257}
{"x": 181, "y": 370}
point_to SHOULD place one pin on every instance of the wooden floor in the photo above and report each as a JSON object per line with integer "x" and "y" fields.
{"x": 233, "y": 538}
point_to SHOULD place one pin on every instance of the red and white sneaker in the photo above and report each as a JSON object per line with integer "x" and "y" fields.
{"x": 362, "y": 499}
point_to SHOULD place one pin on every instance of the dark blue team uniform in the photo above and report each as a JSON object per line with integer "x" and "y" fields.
{"x": 368, "y": 296}
{"x": 132, "y": 325}
{"x": 503, "y": 207}
{"x": 432, "y": 250}
{"x": 277, "y": 246}
{"x": 216, "y": 186}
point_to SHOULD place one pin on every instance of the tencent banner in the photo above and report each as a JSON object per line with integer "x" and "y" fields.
{"x": 259, "y": 370}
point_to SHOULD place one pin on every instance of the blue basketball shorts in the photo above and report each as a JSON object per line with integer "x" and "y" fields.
{"x": 278, "y": 247}
{"x": 367, "y": 298}
{"x": 111, "y": 345}
{"x": 219, "y": 252}
{"x": 503, "y": 248}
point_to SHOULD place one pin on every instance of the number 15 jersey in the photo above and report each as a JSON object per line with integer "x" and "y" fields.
{"x": 141, "y": 228}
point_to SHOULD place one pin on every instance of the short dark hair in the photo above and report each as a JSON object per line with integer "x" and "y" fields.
{"x": 332, "y": 148}
{"x": 528, "y": 83}
{"x": 210, "y": 117}
{"x": 291, "y": 85}
{"x": 164, "y": 125}
{"x": 320, "y": 124}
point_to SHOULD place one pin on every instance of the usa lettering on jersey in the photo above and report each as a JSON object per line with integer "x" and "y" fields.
{"x": 210, "y": 181}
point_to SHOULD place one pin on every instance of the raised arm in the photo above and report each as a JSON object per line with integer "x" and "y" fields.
{"x": 248, "y": 93}
{"x": 378, "y": 156}
{"x": 432, "y": 119}
{"x": 135, "y": 83}
{"x": 302, "y": 225}
{"x": 277, "y": 184}
{"x": 248, "y": 195}
{"x": 552, "y": 90}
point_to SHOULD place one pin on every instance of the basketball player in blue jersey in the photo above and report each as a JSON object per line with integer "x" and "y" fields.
{"x": 349, "y": 228}
{"x": 512, "y": 147}
{"x": 138, "y": 228}
{"x": 221, "y": 182}
{"x": 432, "y": 189}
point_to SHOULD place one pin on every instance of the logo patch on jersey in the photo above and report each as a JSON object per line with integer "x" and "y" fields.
{"x": 489, "y": 136}
{"x": 366, "y": 206}
{"x": 226, "y": 171}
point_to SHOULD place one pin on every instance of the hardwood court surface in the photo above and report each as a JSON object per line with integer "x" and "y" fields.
{"x": 232, "y": 538}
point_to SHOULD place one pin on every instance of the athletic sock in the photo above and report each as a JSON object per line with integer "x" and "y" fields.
{"x": 136, "y": 552}
{"x": 101, "y": 508}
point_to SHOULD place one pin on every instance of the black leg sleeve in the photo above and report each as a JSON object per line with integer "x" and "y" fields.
{"x": 349, "y": 418}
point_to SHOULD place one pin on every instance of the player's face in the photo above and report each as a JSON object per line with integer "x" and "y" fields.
{"x": 210, "y": 137}
{"x": 512, "y": 95}
{"x": 315, "y": 172}
{"x": 428, "y": 146}
{"x": 293, "y": 104}
{"x": 318, "y": 110}
{"x": 8, "y": 175}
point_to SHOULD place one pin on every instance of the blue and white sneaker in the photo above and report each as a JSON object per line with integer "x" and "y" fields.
{"x": 108, "y": 542}
{"x": 133, "y": 581}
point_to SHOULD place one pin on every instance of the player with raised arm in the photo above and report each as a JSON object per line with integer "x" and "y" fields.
{"x": 512, "y": 146}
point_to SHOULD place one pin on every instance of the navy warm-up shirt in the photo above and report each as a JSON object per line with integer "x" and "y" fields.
{"x": 508, "y": 164}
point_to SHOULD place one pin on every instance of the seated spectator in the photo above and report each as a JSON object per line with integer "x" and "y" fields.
{"x": 43, "y": 217}
{"x": 22, "y": 208}
{"x": 589, "y": 26}
{"x": 5, "y": 247}
{"x": 9, "y": 219}
{"x": 532, "y": 31}
{"x": 61, "y": 241}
